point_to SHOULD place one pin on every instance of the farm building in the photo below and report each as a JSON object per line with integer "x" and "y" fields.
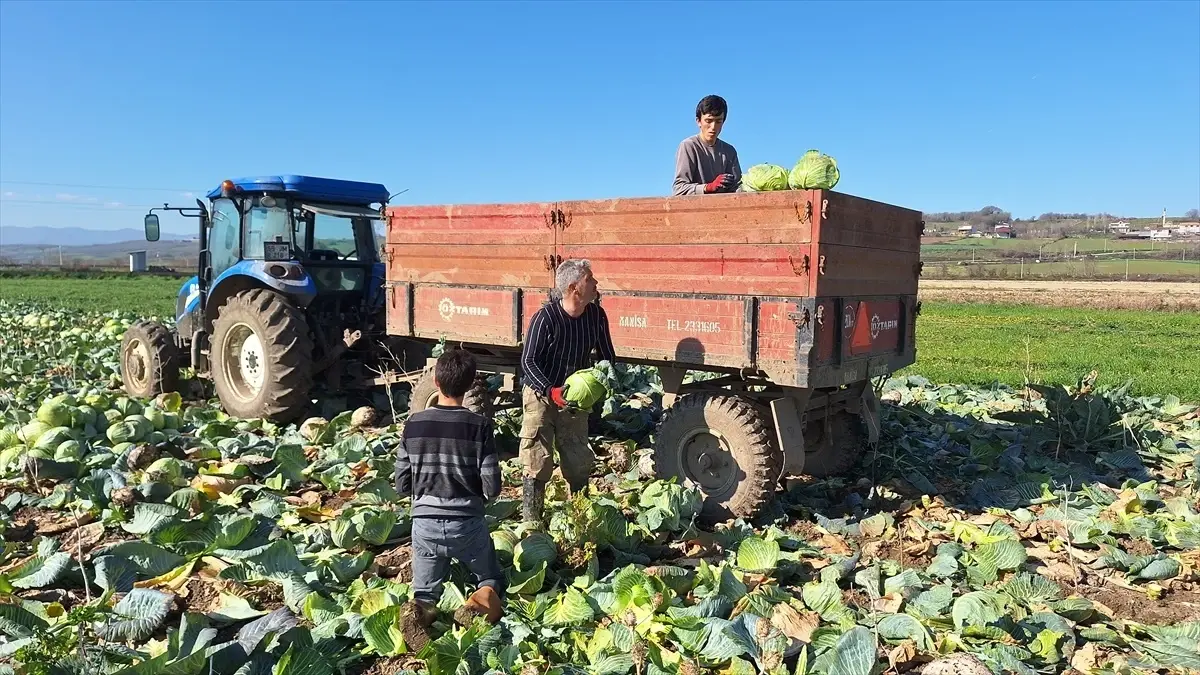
{"x": 1004, "y": 232}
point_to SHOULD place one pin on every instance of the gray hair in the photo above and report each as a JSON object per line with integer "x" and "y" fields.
{"x": 569, "y": 272}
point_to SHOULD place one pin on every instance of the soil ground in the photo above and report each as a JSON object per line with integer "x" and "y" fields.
{"x": 1179, "y": 296}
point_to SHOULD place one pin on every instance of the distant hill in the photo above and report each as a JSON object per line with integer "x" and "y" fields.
{"x": 167, "y": 253}
{"x": 77, "y": 236}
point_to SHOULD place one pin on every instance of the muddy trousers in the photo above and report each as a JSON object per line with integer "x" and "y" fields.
{"x": 544, "y": 428}
{"x": 435, "y": 541}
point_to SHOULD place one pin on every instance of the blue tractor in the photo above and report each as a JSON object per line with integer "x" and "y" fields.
{"x": 289, "y": 289}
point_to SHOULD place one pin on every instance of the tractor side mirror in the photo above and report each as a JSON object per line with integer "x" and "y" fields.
{"x": 151, "y": 224}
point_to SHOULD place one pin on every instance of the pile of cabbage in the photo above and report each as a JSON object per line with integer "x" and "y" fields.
{"x": 814, "y": 171}
{"x": 55, "y": 441}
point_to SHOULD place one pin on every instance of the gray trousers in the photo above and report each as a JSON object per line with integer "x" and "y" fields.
{"x": 435, "y": 541}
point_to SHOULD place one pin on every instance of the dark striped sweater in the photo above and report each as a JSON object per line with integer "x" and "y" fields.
{"x": 447, "y": 461}
{"x": 559, "y": 345}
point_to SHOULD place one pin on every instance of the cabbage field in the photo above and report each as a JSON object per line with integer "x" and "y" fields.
{"x": 1045, "y": 529}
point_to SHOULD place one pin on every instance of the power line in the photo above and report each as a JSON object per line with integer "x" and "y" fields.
{"x": 81, "y": 205}
{"x": 99, "y": 187}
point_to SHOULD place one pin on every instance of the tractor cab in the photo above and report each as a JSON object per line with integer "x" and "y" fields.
{"x": 283, "y": 260}
{"x": 312, "y": 239}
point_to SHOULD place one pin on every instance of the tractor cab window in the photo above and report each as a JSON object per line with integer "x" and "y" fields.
{"x": 333, "y": 234}
{"x": 224, "y": 238}
{"x": 267, "y": 221}
{"x": 336, "y": 233}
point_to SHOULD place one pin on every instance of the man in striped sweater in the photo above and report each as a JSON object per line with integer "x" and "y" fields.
{"x": 447, "y": 462}
{"x": 562, "y": 337}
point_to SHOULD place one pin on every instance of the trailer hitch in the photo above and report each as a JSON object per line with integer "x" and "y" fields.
{"x": 349, "y": 339}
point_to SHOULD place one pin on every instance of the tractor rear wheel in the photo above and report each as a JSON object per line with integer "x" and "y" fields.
{"x": 479, "y": 398}
{"x": 150, "y": 360}
{"x": 722, "y": 445}
{"x": 833, "y": 451}
{"x": 262, "y": 357}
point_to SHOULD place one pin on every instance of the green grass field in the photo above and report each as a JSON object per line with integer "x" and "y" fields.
{"x": 982, "y": 247}
{"x": 980, "y": 344}
{"x": 145, "y": 294}
{"x": 971, "y": 344}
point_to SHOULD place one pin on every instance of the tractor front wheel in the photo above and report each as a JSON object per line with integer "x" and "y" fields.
{"x": 149, "y": 360}
{"x": 262, "y": 357}
{"x": 723, "y": 445}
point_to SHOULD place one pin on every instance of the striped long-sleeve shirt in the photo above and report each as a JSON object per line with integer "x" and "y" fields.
{"x": 559, "y": 345}
{"x": 447, "y": 461}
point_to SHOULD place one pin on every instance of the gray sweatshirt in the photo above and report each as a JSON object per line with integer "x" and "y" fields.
{"x": 697, "y": 163}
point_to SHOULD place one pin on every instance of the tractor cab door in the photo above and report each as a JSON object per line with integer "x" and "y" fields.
{"x": 224, "y": 238}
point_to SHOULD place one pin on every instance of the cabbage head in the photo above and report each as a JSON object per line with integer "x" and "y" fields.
{"x": 54, "y": 413}
{"x": 166, "y": 470}
{"x": 127, "y": 406}
{"x": 68, "y": 450}
{"x": 814, "y": 171}
{"x": 157, "y": 418}
{"x": 584, "y": 388}
{"x": 123, "y": 432}
{"x": 765, "y": 178}
{"x": 53, "y": 438}
{"x": 30, "y": 433}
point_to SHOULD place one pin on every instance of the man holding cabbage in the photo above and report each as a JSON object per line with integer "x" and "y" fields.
{"x": 704, "y": 164}
{"x": 557, "y": 393}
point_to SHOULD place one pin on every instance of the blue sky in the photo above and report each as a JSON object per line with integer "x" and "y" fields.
{"x": 1033, "y": 107}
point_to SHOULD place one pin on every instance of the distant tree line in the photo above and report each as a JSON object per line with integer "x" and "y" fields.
{"x": 988, "y": 216}
{"x": 1066, "y": 216}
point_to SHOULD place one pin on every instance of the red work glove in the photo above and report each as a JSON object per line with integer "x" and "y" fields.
{"x": 719, "y": 184}
{"x": 556, "y": 395}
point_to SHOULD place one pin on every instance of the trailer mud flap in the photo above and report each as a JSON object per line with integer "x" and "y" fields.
{"x": 869, "y": 411}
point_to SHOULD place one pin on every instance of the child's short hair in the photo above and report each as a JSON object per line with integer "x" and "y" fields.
{"x": 455, "y": 372}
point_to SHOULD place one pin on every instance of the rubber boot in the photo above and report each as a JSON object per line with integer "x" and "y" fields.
{"x": 533, "y": 499}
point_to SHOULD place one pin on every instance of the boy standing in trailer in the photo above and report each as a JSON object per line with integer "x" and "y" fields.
{"x": 447, "y": 462}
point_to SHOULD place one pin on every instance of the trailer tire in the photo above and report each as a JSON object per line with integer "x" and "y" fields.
{"x": 479, "y": 398}
{"x": 833, "y": 455}
{"x": 150, "y": 360}
{"x": 747, "y": 461}
{"x": 262, "y": 357}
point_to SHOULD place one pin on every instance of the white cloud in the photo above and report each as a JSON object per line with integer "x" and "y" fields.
{"x": 113, "y": 204}
{"x": 67, "y": 197}
{"x": 189, "y": 195}
{"x": 10, "y": 194}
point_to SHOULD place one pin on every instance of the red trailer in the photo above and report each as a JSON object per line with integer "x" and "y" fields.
{"x": 794, "y": 298}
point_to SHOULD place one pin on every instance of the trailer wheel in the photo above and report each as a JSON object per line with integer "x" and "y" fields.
{"x": 479, "y": 398}
{"x": 149, "y": 360}
{"x": 262, "y": 357}
{"x": 723, "y": 446}
{"x": 838, "y": 452}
